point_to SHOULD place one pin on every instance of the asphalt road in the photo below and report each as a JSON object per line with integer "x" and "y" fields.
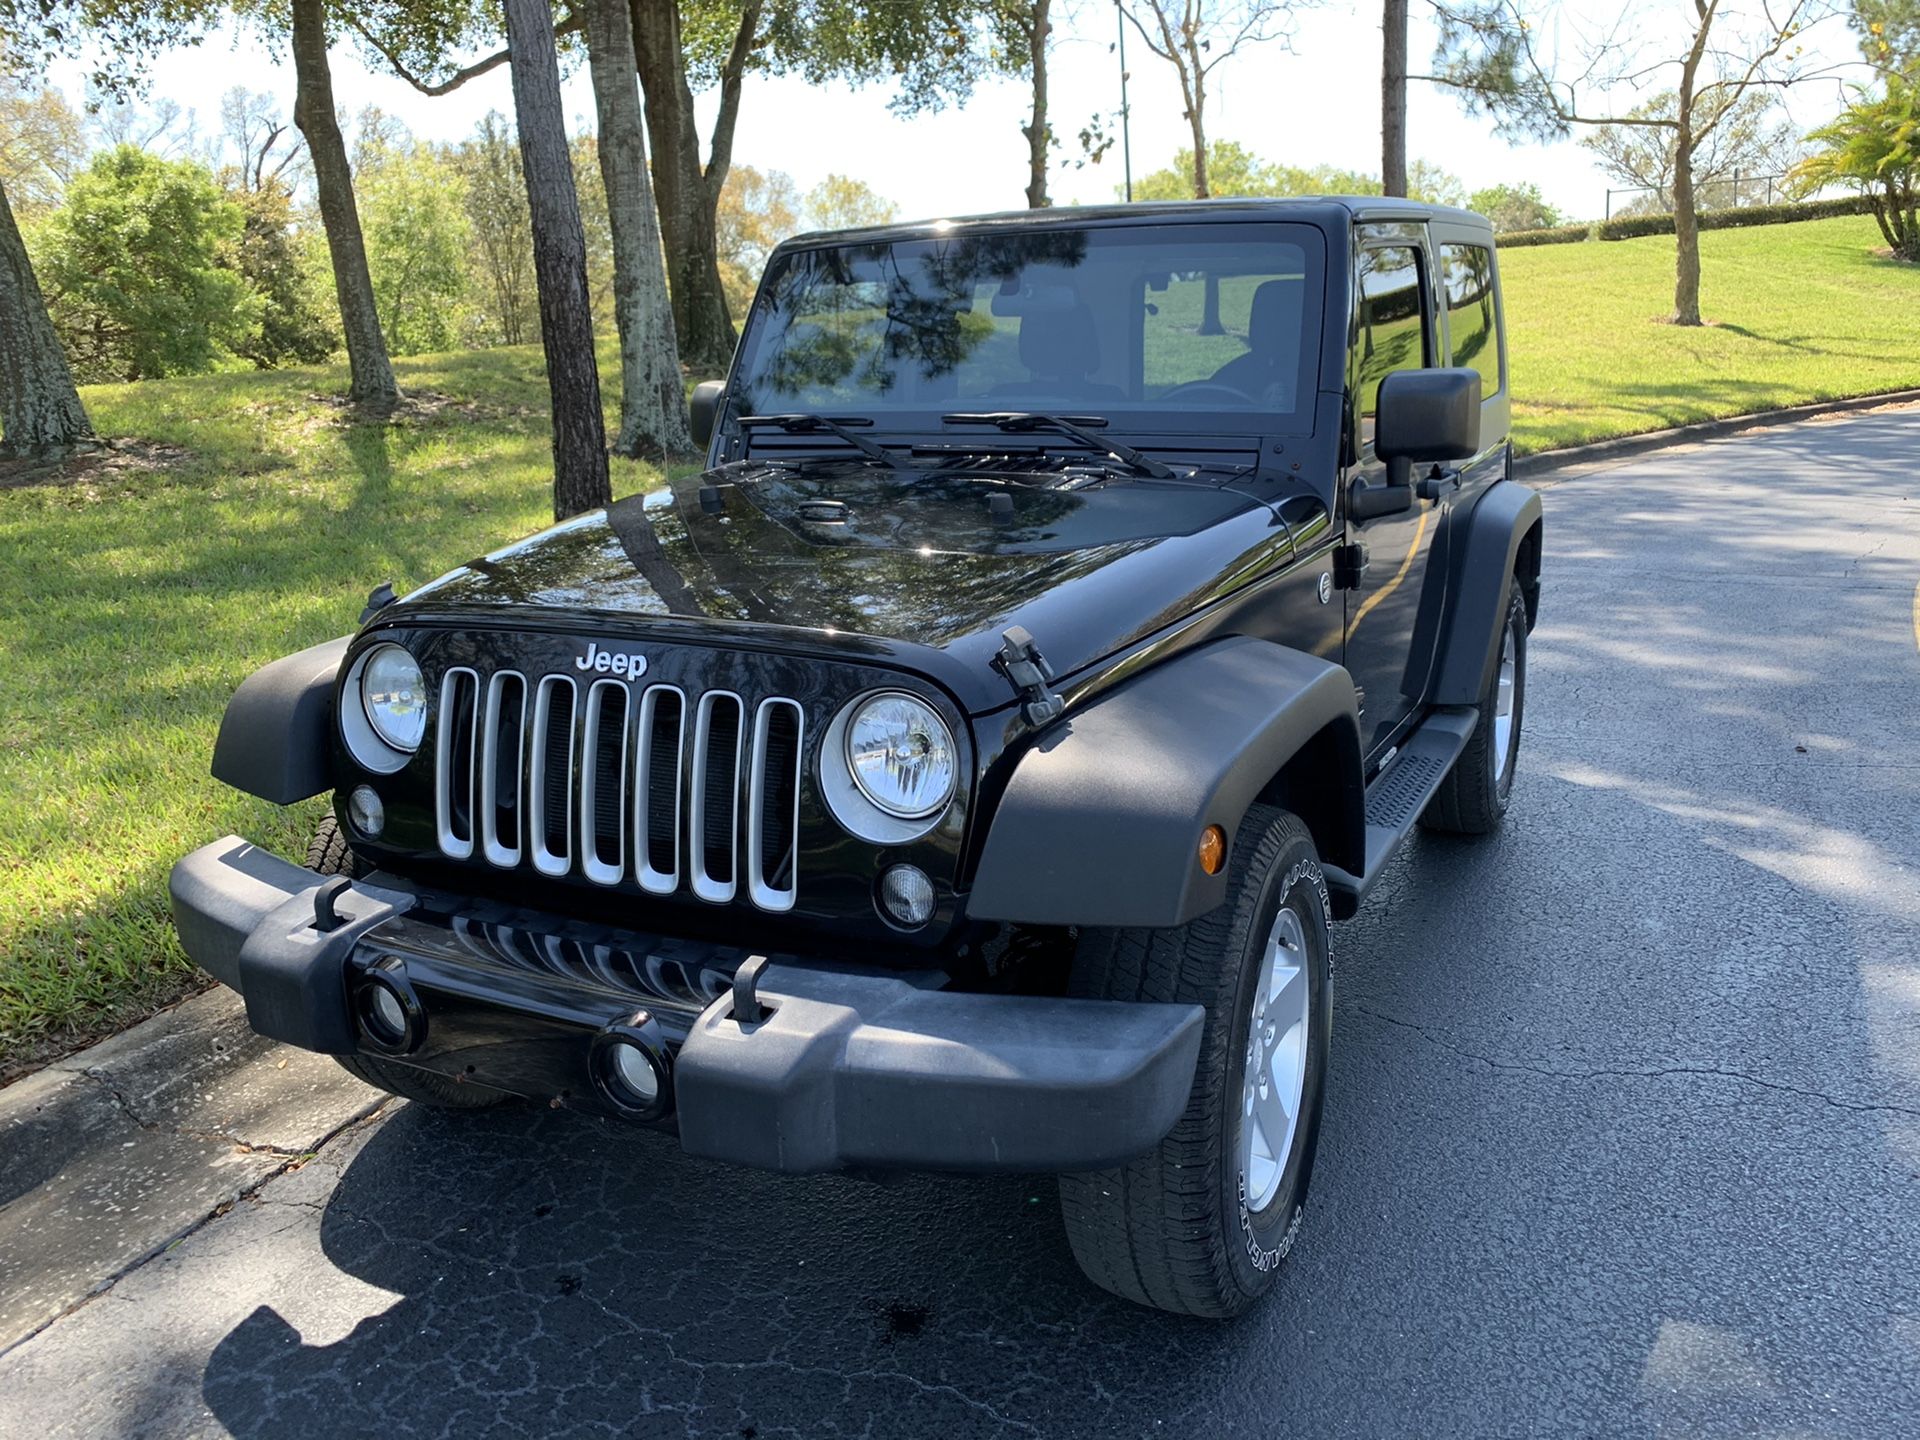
{"x": 1622, "y": 1133}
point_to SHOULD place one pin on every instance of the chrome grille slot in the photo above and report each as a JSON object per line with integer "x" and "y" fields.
{"x": 713, "y": 827}
{"x": 453, "y": 761}
{"x": 550, "y": 777}
{"x": 773, "y": 804}
{"x": 621, "y": 784}
{"x": 502, "y": 729}
{"x": 603, "y": 782}
{"x": 659, "y": 742}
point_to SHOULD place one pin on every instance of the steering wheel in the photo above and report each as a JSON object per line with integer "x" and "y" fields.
{"x": 1207, "y": 387}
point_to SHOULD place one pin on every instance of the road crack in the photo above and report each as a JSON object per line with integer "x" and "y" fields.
{"x": 210, "y": 1137}
{"x": 1710, "y": 1072}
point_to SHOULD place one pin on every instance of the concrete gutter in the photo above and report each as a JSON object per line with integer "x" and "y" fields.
{"x": 110, "y": 1155}
{"x": 1541, "y": 464}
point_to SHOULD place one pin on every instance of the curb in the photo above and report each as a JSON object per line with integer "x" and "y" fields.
{"x": 1546, "y": 462}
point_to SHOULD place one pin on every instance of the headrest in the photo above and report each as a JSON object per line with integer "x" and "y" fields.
{"x": 1062, "y": 344}
{"x": 1273, "y": 325}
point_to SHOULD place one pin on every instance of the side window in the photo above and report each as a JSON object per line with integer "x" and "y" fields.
{"x": 1392, "y": 324}
{"x": 1470, "y": 317}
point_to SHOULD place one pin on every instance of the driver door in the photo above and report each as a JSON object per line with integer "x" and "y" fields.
{"x": 1388, "y": 652}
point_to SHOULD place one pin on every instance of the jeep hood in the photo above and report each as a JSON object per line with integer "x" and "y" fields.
{"x": 853, "y": 554}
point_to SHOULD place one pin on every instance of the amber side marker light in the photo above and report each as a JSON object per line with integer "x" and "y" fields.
{"x": 1213, "y": 849}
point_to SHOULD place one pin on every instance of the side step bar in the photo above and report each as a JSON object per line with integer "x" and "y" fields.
{"x": 1401, "y": 791}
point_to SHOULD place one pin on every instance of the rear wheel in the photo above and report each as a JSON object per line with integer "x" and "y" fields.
{"x": 328, "y": 854}
{"x": 1472, "y": 800}
{"x": 1200, "y": 1224}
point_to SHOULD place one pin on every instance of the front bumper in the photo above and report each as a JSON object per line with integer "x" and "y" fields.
{"x": 849, "y": 1068}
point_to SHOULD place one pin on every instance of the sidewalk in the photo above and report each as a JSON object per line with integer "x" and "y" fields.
{"x": 112, "y": 1154}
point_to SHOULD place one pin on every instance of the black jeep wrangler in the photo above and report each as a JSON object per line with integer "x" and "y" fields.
{"x": 963, "y": 772}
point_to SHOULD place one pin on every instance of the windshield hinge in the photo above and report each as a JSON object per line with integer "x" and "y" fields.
{"x": 1350, "y": 565}
{"x": 1027, "y": 671}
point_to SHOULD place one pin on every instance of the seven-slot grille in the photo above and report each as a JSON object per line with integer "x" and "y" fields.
{"x": 619, "y": 783}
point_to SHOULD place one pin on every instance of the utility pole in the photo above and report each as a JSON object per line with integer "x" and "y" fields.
{"x": 1126, "y": 114}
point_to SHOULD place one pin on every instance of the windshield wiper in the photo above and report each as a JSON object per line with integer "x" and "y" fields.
{"x": 1017, "y": 421}
{"x": 802, "y": 424}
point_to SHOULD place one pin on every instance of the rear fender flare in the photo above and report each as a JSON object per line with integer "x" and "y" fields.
{"x": 1100, "y": 822}
{"x": 1499, "y": 540}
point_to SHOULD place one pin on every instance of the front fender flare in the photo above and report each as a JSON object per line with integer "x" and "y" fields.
{"x": 273, "y": 739}
{"x": 1101, "y": 820}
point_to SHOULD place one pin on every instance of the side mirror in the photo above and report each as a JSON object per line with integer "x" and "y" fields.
{"x": 704, "y": 409}
{"x": 1424, "y": 415}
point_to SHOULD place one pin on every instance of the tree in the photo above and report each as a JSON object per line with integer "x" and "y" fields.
{"x": 1751, "y": 139}
{"x": 841, "y": 202}
{"x": 1196, "y": 37}
{"x": 1873, "y": 146}
{"x": 757, "y": 211}
{"x": 1889, "y": 35}
{"x": 1489, "y": 51}
{"x": 1393, "y": 97}
{"x": 502, "y": 247}
{"x": 140, "y": 269}
{"x": 43, "y": 143}
{"x": 294, "y": 327}
{"x": 1515, "y": 207}
{"x": 1026, "y": 26}
{"x": 371, "y": 386}
{"x": 266, "y": 152}
{"x": 414, "y": 226}
{"x": 40, "y": 409}
{"x": 653, "y": 406}
{"x": 1233, "y": 169}
{"x": 580, "y": 479}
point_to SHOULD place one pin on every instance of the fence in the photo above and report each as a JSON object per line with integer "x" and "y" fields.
{"x": 1730, "y": 192}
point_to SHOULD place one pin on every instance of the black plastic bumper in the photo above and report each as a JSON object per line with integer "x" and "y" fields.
{"x": 847, "y": 1068}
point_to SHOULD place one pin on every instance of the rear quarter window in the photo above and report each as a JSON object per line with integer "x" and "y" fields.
{"x": 1472, "y": 323}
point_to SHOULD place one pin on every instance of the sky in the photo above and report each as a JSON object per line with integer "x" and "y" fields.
{"x": 1314, "y": 100}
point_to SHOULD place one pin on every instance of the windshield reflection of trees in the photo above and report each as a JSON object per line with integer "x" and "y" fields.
{"x": 827, "y": 304}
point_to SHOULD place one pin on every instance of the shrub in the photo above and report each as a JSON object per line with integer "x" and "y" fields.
{"x": 1632, "y": 227}
{"x": 1553, "y": 235}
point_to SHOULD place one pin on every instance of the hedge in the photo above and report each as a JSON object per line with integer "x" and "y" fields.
{"x": 1632, "y": 227}
{"x": 1555, "y": 235}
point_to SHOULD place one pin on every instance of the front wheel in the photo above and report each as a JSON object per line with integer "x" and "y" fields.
{"x": 1200, "y": 1224}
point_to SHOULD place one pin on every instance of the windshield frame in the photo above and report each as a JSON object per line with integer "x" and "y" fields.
{"x": 1163, "y": 424}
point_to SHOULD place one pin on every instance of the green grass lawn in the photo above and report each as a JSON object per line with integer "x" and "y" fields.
{"x": 1797, "y": 313}
{"x": 135, "y": 602}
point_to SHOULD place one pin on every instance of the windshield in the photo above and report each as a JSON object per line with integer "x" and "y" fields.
{"x": 1172, "y": 321}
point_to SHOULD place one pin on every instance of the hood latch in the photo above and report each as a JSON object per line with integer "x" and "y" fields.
{"x": 1026, "y": 669}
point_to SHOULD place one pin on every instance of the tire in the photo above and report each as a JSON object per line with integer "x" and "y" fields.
{"x": 1175, "y": 1229}
{"x": 1472, "y": 800}
{"x": 328, "y": 854}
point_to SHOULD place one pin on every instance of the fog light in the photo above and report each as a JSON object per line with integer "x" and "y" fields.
{"x": 390, "y": 1014}
{"x": 907, "y": 894}
{"x": 634, "y": 1072}
{"x": 365, "y": 812}
{"x": 632, "y": 1068}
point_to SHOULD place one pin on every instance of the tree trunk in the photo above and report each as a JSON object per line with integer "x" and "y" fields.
{"x": 1393, "y": 99}
{"x": 559, "y": 264}
{"x": 653, "y": 401}
{"x": 372, "y": 386}
{"x": 1686, "y": 228}
{"x": 1037, "y": 131}
{"x": 39, "y": 408}
{"x": 1197, "y": 121}
{"x": 688, "y": 194}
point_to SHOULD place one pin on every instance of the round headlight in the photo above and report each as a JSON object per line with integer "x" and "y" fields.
{"x": 901, "y": 755}
{"x": 394, "y": 694}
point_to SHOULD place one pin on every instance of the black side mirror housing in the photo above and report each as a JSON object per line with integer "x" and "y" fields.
{"x": 703, "y": 410}
{"x": 1426, "y": 415}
